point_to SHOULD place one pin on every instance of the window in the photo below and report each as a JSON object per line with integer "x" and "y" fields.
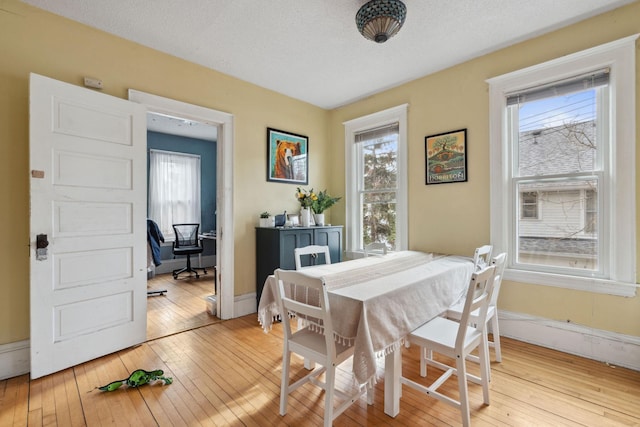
{"x": 559, "y": 134}
{"x": 563, "y": 150}
{"x": 377, "y": 152}
{"x": 529, "y": 205}
{"x": 376, "y": 180}
{"x": 174, "y": 189}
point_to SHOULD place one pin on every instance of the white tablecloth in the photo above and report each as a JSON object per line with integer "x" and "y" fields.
{"x": 375, "y": 302}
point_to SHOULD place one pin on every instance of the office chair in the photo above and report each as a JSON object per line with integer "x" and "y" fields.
{"x": 187, "y": 243}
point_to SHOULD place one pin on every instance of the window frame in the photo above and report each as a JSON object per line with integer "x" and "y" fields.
{"x": 353, "y": 223}
{"x": 619, "y": 193}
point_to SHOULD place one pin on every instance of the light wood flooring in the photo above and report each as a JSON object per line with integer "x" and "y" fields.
{"x": 182, "y": 307}
{"x": 228, "y": 374}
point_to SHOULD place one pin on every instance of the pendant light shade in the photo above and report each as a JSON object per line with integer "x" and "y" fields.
{"x": 379, "y": 20}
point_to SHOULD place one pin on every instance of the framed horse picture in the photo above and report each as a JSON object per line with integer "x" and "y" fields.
{"x": 287, "y": 157}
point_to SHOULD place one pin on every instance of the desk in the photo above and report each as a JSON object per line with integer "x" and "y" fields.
{"x": 375, "y": 302}
{"x": 202, "y": 237}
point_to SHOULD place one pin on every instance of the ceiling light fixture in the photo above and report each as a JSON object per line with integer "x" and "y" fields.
{"x": 379, "y": 20}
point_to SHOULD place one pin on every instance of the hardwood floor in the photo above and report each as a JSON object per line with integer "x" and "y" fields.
{"x": 228, "y": 373}
{"x": 182, "y": 307}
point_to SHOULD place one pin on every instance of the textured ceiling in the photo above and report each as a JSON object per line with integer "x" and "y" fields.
{"x": 311, "y": 50}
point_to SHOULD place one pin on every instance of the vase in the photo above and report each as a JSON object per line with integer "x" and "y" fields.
{"x": 305, "y": 217}
{"x": 319, "y": 218}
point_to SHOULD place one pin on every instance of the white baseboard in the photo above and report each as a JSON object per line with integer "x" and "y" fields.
{"x": 14, "y": 359}
{"x": 604, "y": 346}
{"x": 245, "y": 304}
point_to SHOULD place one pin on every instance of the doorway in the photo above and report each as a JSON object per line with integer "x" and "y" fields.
{"x": 223, "y": 122}
{"x": 186, "y": 150}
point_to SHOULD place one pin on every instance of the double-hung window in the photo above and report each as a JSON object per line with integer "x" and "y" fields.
{"x": 562, "y": 170}
{"x": 376, "y": 179}
{"x": 174, "y": 189}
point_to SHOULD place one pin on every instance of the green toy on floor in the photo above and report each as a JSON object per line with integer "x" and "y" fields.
{"x": 137, "y": 378}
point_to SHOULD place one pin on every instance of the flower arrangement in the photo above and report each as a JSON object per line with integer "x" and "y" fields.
{"x": 306, "y": 197}
{"x": 323, "y": 201}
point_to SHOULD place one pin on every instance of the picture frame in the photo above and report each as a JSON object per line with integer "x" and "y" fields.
{"x": 446, "y": 157}
{"x": 287, "y": 157}
{"x": 294, "y": 219}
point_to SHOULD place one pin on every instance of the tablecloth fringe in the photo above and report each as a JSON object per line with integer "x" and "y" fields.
{"x": 269, "y": 315}
{"x": 390, "y": 348}
{"x": 343, "y": 340}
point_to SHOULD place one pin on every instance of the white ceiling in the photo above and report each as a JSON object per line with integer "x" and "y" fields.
{"x": 311, "y": 50}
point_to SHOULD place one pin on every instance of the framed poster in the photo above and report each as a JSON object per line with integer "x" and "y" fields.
{"x": 446, "y": 157}
{"x": 287, "y": 157}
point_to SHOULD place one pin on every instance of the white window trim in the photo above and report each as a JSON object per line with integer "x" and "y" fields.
{"x": 392, "y": 115}
{"x": 619, "y": 56}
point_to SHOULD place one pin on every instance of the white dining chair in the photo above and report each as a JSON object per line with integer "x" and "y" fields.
{"x": 317, "y": 345}
{"x": 375, "y": 248}
{"x": 312, "y": 250}
{"x": 456, "y": 340}
{"x": 482, "y": 257}
{"x": 455, "y": 311}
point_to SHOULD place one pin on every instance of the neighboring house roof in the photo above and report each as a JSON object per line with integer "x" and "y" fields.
{"x": 558, "y": 150}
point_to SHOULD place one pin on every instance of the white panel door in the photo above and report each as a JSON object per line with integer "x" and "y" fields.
{"x": 88, "y": 196}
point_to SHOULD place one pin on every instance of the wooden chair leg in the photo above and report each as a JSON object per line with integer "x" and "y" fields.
{"x": 330, "y": 382}
{"x": 425, "y": 354}
{"x": 308, "y": 364}
{"x": 463, "y": 389}
{"x": 496, "y": 337}
{"x": 485, "y": 369}
{"x": 284, "y": 382}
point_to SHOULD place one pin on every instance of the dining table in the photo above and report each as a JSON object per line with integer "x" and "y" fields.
{"x": 375, "y": 302}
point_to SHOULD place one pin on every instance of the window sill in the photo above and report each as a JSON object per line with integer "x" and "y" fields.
{"x": 587, "y": 284}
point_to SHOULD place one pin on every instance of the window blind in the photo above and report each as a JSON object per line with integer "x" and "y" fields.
{"x": 561, "y": 87}
{"x": 377, "y": 133}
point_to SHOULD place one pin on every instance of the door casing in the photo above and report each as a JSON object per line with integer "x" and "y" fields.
{"x": 224, "y": 198}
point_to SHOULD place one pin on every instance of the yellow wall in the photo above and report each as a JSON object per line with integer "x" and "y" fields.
{"x": 450, "y": 218}
{"x": 454, "y": 218}
{"x": 32, "y": 40}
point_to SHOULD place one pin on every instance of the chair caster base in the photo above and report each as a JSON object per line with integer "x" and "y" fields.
{"x": 176, "y": 273}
